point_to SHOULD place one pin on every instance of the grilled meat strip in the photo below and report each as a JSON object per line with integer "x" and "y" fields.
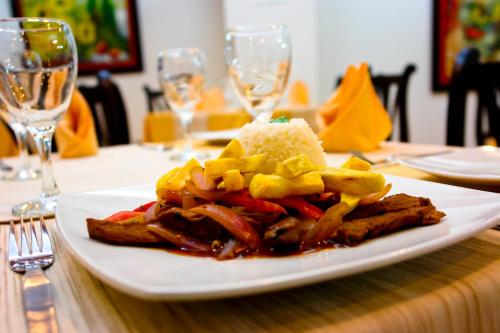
{"x": 355, "y": 231}
{"x": 389, "y": 204}
{"x": 129, "y": 232}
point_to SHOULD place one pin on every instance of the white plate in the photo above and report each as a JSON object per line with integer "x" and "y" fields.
{"x": 226, "y": 135}
{"x": 476, "y": 165}
{"x": 158, "y": 274}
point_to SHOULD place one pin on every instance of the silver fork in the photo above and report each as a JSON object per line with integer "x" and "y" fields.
{"x": 32, "y": 257}
{"x": 391, "y": 159}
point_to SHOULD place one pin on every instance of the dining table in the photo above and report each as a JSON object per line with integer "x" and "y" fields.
{"x": 455, "y": 289}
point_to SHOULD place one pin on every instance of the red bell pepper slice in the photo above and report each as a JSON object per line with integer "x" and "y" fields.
{"x": 145, "y": 207}
{"x": 234, "y": 223}
{"x": 302, "y": 206}
{"x": 123, "y": 215}
{"x": 256, "y": 205}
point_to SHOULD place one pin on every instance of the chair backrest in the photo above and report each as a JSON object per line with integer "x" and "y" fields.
{"x": 392, "y": 90}
{"x": 106, "y": 102}
{"x": 484, "y": 79}
{"x": 155, "y": 99}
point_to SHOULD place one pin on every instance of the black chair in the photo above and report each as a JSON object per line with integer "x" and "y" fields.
{"x": 156, "y": 100}
{"x": 396, "y": 104}
{"x": 484, "y": 79}
{"x": 108, "y": 109}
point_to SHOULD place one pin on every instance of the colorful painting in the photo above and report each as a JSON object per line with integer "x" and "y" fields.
{"x": 459, "y": 24}
{"x": 105, "y": 30}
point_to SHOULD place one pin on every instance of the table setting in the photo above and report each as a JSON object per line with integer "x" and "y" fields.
{"x": 257, "y": 220}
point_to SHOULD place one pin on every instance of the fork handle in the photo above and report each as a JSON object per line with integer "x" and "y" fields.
{"x": 38, "y": 302}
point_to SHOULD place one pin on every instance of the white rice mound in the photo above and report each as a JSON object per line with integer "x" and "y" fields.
{"x": 280, "y": 141}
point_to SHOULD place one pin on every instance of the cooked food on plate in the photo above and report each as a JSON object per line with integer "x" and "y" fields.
{"x": 269, "y": 194}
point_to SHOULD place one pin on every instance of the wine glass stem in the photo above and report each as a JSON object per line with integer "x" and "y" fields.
{"x": 22, "y": 145}
{"x": 43, "y": 139}
{"x": 186, "y": 123}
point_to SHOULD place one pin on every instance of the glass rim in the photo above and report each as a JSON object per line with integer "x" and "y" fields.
{"x": 189, "y": 50}
{"x": 3, "y": 26}
{"x": 256, "y": 29}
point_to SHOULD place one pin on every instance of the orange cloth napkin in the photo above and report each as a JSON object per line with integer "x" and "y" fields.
{"x": 298, "y": 94}
{"x": 353, "y": 118}
{"x": 7, "y": 143}
{"x": 211, "y": 100}
{"x": 160, "y": 127}
{"x": 219, "y": 121}
{"x": 75, "y": 135}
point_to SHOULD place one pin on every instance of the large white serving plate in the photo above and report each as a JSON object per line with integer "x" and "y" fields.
{"x": 158, "y": 274}
{"x": 479, "y": 165}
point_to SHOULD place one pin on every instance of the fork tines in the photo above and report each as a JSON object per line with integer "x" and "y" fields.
{"x": 37, "y": 247}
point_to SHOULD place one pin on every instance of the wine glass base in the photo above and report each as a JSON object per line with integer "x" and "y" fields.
{"x": 36, "y": 208}
{"x": 186, "y": 156}
{"x": 22, "y": 175}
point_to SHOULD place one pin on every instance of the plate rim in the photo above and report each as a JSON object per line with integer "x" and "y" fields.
{"x": 273, "y": 283}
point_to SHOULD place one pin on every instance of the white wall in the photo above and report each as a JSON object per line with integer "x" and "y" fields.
{"x": 163, "y": 24}
{"x": 300, "y": 17}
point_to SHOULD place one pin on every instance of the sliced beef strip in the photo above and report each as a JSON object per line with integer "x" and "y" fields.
{"x": 393, "y": 203}
{"x": 131, "y": 232}
{"x": 355, "y": 231}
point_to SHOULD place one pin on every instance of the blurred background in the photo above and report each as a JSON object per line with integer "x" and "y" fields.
{"x": 327, "y": 36}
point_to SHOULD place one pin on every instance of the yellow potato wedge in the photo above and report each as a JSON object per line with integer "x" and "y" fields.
{"x": 352, "y": 181}
{"x": 295, "y": 166}
{"x": 216, "y": 168}
{"x": 234, "y": 149}
{"x": 175, "y": 179}
{"x": 276, "y": 187}
{"x": 356, "y": 163}
{"x": 233, "y": 180}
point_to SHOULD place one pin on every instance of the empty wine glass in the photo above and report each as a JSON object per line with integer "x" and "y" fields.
{"x": 182, "y": 79}
{"x": 38, "y": 66}
{"x": 258, "y": 61}
{"x": 23, "y": 170}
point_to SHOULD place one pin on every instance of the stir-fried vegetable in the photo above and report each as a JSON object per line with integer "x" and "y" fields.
{"x": 230, "y": 206}
{"x": 233, "y": 222}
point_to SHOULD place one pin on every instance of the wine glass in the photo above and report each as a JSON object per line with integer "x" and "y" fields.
{"x": 38, "y": 67}
{"x": 23, "y": 170}
{"x": 258, "y": 61}
{"x": 182, "y": 79}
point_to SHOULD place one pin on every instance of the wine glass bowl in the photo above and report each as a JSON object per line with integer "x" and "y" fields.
{"x": 182, "y": 78}
{"x": 258, "y": 61}
{"x": 38, "y": 68}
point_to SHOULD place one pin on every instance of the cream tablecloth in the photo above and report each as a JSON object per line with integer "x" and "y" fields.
{"x": 456, "y": 289}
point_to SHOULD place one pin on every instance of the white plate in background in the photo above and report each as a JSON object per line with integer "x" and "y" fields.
{"x": 476, "y": 165}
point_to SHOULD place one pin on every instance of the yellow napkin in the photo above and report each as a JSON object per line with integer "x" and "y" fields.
{"x": 7, "y": 143}
{"x": 211, "y": 100}
{"x": 219, "y": 121}
{"x": 75, "y": 135}
{"x": 298, "y": 94}
{"x": 353, "y": 118}
{"x": 160, "y": 127}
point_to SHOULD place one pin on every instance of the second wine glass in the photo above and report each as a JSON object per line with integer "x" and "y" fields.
{"x": 258, "y": 61}
{"x": 182, "y": 79}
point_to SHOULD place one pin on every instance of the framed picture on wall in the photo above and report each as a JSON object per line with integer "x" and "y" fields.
{"x": 106, "y": 31}
{"x": 460, "y": 24}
